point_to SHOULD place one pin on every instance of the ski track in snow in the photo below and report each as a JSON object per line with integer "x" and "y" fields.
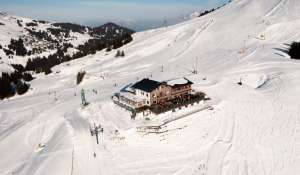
{"x": 280, "y": 4}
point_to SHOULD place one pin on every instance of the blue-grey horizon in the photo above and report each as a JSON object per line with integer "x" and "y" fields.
{"x": 131, "y": 13}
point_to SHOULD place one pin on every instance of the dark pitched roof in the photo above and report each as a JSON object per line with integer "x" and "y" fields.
{"x": 146, "y": 85}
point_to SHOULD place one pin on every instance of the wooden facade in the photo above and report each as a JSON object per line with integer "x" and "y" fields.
{"x": 181, "y": 90}
{"x": 149, "y": 92}
{"x": 162, "y": 94}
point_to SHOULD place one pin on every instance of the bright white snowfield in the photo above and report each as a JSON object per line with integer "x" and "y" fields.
{"x": 253, "y": 129}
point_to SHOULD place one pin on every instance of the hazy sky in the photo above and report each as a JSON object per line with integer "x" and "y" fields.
{"x": 94, "y": 12}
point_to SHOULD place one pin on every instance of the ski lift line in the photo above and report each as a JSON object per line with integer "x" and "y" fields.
{"x": 94, "y": 151}
{"x": 196, "y": 66}
{"x": 72, "y": 163}
{"x": 261, "y": 37}
{"x": 278, "y": 5}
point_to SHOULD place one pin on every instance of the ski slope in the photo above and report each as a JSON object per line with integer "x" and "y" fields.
{"x": 253, "y": 129}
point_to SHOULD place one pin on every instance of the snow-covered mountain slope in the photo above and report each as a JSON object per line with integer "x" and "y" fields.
{"x": 18, "y": 27}
{"x": 41, "y": 39}
{"x": 252, "y": 129}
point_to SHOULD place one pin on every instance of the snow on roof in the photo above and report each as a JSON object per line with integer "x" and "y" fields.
{"x": 132, "y": 97}
{"x": 179, "y": 81}
{"x": 127, "y": 88}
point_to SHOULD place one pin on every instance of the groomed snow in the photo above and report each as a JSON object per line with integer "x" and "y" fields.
{"x": 249, "y": 129}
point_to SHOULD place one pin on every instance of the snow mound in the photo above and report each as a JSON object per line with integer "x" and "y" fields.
{"x": 5, "y": 68}
{"x": 254, "y": 80}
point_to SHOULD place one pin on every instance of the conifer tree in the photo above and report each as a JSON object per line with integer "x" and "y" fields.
{"x": 122, "y": 54}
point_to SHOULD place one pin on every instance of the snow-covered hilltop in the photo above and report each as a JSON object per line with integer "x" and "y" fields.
{"x": 41, "y": 38}
{"x": 251, "y": 126}
{"x": 28, "y": 46}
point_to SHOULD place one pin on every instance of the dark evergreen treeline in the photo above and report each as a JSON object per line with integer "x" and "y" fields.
{"x": 18, "y": 47}
{"x": 43, "y": 22}
{"x": 13, "y": 83}
{"x": 8, "y": 52}
{"x": 41, "y": 35}
{"x": 214, "y": 9}
{"x": 207, "y": 12}
{"x": 294, "y": 50}
{"x": 120, "y": 54}
{"x": 44, "y": 64}
{"x": 31, "y": 24}
{"x": 72, "y": 27}
{"x": 59, "y": 32}
{"x": 110, "y": 30}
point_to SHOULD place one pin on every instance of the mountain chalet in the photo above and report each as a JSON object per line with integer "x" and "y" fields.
{"x": 147, "y": 93}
